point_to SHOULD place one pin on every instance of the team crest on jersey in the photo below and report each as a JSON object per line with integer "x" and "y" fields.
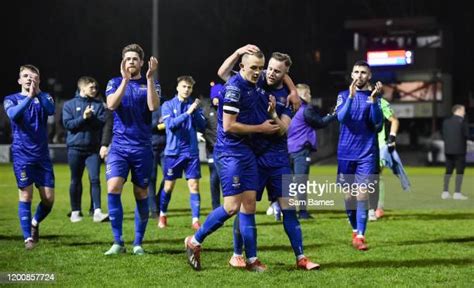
{"x": 78, "y": 108}
{"x": 23, "y": 176}
{"x": 236, "y": 181}
{"x": 175, "y": 111}
{"x": 170, "y": 172}
{"x": 36, "y": 100}
{"x": 145, "y": 181}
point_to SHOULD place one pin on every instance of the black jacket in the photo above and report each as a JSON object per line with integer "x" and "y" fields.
{"x": 455, "y": 134}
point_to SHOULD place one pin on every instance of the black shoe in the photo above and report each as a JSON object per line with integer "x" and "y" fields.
{"x": 35, "y": 233}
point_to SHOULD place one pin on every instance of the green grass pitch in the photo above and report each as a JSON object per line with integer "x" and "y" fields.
{"x": 429, "y": 243}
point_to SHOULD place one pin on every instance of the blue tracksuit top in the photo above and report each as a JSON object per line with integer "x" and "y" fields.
{"x": 181, "y": 128}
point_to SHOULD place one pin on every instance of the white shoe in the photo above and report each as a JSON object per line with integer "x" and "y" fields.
{"x": 99, "y": 216}
{"x": 372, "y": 216}
{"x": 270, "y": 210}
{"x": 459, "y": 196}
{"x": 75, "y": 217}
{"x": 445, "y": 195}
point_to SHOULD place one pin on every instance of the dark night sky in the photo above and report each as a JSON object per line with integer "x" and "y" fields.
{"x": 67, "y": 39}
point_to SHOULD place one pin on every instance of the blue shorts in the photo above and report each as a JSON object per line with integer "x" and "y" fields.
{"x": 138, "y": 161}
{"x": 238, "y": 173}
{"x": 357, "y": 171}
{"x": 271, "y": 178}
{"x": 174, "y": 166}
{"x": 40, "y": 173}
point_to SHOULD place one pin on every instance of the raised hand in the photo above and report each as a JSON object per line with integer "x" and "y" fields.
{"x": 88, "y": 112}
{"x": 377, "y": 90}
{"x": 272, "y": 106}
{"x": 34, "y": 89}
{"x": 352, "y": 89}
{"x": 152, "y": 67}
{"x": 193, "y": 106}
{"x": 249, "y": 48}
{"x": 123, "y": 70}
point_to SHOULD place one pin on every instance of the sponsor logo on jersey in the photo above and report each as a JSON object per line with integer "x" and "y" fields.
{"x": 339, "y": 101}
{"x": 232, "y": 93}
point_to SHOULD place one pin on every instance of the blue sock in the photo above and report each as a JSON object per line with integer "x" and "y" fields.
{"x": 248, "y": 230}
{"x": 195, "y": 203}
{"x": 164, "y": 201}
{"x": 238, "y": 241}
{"x": 362, "y": 216}
{"x": 213, "y": 221}
{"x": 293, "y": 230}
{"x": 141, "y": 219}
{"x": 351, "y": 212}
{"x": 42, "y": 211}
{"x": 116, "y": 216}
{"x": 24, "y": 213}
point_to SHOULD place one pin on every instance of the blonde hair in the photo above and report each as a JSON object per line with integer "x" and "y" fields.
{"x": 30, "y": 67}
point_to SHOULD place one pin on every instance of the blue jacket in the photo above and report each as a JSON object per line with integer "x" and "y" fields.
{"x": 393, "y": 161}
{"x": 83, "y": 134}
{"x": 181, "y": 127}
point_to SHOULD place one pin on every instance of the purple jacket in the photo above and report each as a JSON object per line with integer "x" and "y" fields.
{"x": 302, "y": 129}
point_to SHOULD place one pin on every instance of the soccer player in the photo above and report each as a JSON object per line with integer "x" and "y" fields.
{"x": 182, "y": 118}
{"x": 83, "y": 118}
{"x": 28, "y": 111}
{"x": 236, "y": 161}
{"x": 272, "y": 153}
{"x": 360, "y": 117}
{"x": 132, "y": 98}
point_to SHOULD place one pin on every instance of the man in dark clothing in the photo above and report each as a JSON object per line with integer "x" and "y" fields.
{"x": 83, "y": 118}
{"x": 210, "y": 134}
{"x": 158, "y": 141}
{"x": 455, "y": 134}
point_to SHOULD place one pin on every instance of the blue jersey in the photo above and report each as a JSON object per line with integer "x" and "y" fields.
{"x": 132, "y": 118}
{"x": 271, "y": 150}
{"x": 29, "y": 125}
{"x": 358, "y": 135}
{"x": 239, "y": 97}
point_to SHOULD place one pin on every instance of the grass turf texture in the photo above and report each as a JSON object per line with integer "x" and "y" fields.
{"x": 427, "y": 247}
